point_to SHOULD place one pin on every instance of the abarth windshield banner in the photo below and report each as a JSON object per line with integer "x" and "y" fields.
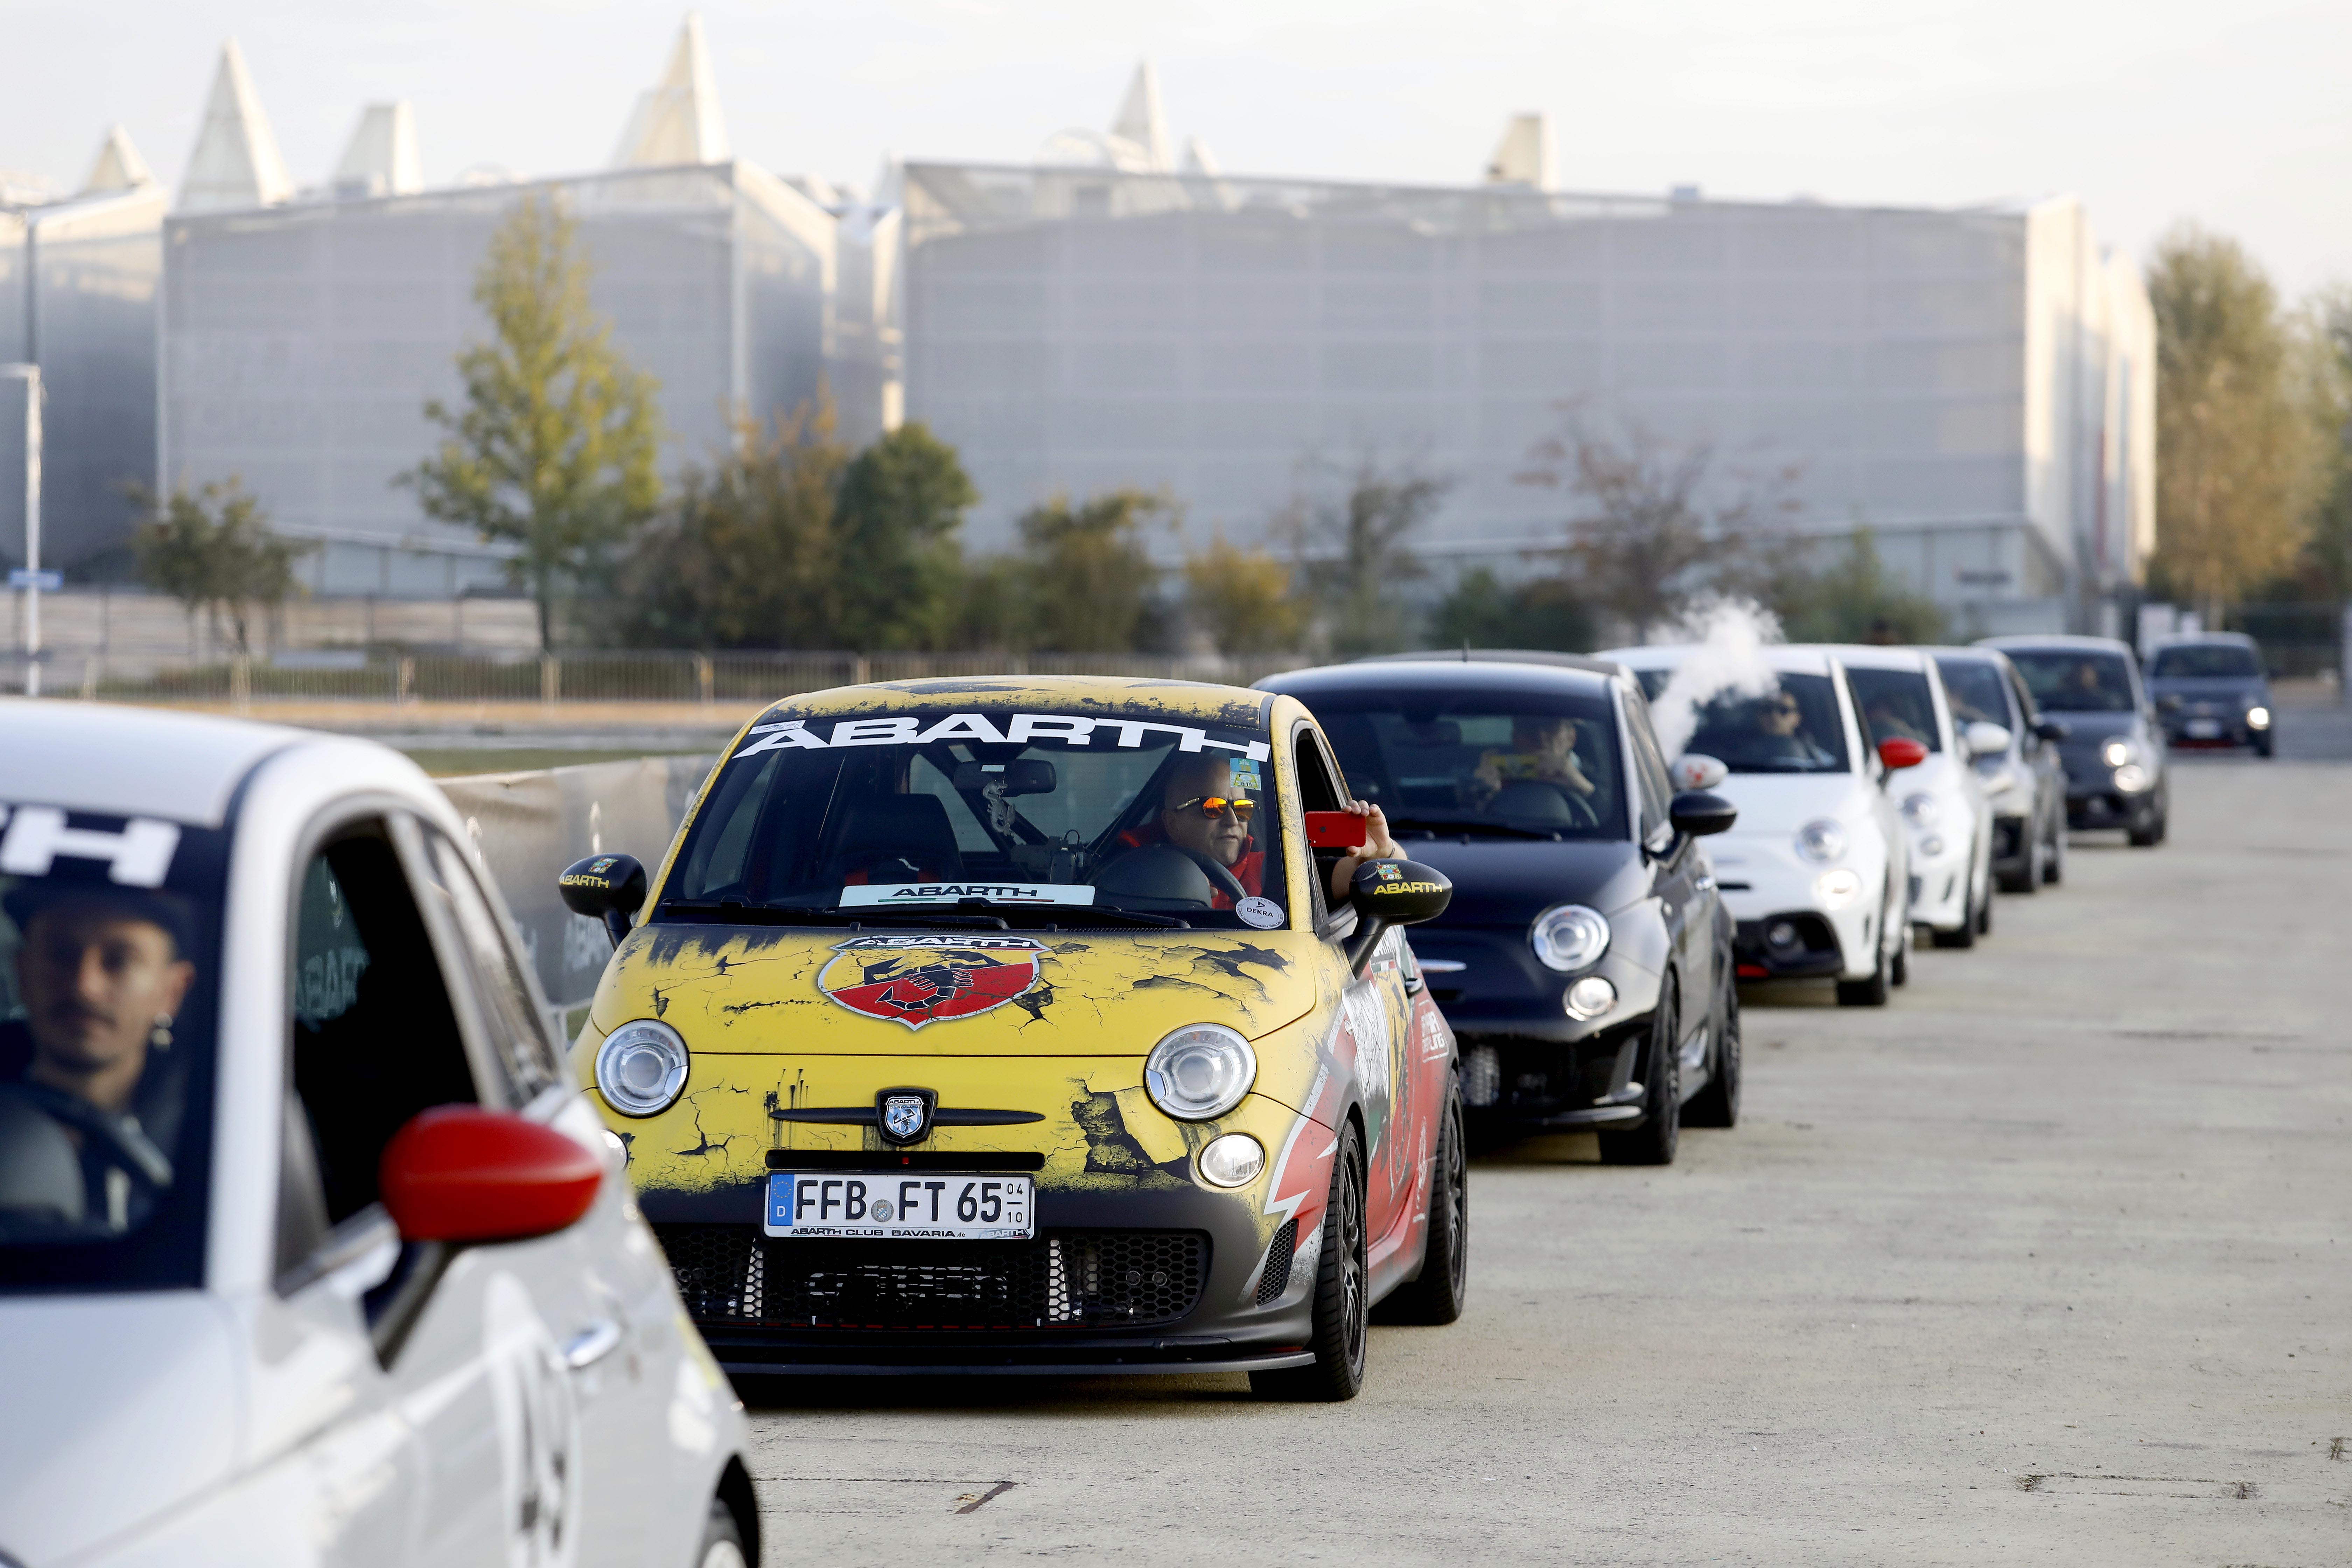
{"x": 885, "y": 895}
{"x": 908, "y": 730}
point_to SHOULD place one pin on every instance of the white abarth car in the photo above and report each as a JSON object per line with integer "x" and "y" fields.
{"x": 1816, "y": 871}
{"x": 1900, "y": 694}
{"x": 308, "y": 1252}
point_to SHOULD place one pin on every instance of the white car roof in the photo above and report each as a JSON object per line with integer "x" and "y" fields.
{"x": 1869, "y": 656}
{"x": 1787, "y": 658}
{"x": 116, "y": 760}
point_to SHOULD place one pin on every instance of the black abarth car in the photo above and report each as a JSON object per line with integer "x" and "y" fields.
{"x": 2113, "y": 749}
{"x": 1585, "y": 963}
{"x": 2210, "y": 691}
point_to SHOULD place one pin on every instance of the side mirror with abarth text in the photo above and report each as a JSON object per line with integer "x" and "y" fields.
{"x": 609, "y": 888}
{"x": 1394, "y": 893}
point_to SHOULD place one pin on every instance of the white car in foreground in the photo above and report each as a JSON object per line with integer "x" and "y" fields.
{"x": 1816, "y": 872}
{"x": 309, "y": 1253}
{"x": 1900, "y": 693}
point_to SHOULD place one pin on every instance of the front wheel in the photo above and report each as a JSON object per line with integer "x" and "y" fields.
{"x": 1870, "y": 992}
{"x": 722, "y": 1542}
{"x": 1340, "y": 1314}
{"x": 1654, "y": 1141}
{"x": 1442, "y": 1289}
{"x": 1965, "y": 936}
{"x": 1717, "y": 1105}
{"x": 2053, "y": 869}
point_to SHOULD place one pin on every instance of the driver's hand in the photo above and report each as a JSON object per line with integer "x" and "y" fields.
{"x": 1377, "y": 845}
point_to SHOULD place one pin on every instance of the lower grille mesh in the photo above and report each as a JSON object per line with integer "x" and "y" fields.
{"x": 731, "y": 1274}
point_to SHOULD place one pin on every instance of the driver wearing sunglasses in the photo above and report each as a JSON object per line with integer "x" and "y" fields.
{"x": 1200, "y": 812}
{"x": 1779, "y": 721}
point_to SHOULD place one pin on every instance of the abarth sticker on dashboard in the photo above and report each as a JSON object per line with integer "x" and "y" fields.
{"x": 919, "y": 980}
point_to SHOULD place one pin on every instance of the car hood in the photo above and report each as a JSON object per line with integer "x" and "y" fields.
{"x": 1003, "y": 994}
{"x": 1782, "y": 803}
{"x": 1509, "y": 881}
{"x": 120, "y": 1408}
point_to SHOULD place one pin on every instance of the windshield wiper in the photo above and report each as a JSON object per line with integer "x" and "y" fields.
{"x": 1473, "y": 825}
{"x": 796, "y": 915}
{"x": 1078, "y": 917}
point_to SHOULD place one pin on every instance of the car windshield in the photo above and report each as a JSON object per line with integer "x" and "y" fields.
{"x": 1097, "y": 818}
{"x": 108, "y": 928}
{"x": 2067, "y": 682}
{"x": 1524, "y": 764}
{"x": 1975, "y": 689}
{"x": 1896, "y": 705}
{"x": 1793, "y": 729}
{"x": 2205, "y": 661}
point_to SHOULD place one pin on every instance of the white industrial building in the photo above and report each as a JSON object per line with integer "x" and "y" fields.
{"x": 1976, "y": 386}
{"x": 301, "y": 335}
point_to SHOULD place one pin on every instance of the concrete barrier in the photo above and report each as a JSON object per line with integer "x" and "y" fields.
{"x": 527, "y": 826}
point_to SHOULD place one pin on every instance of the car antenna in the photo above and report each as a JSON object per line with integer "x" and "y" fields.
{"x": 1466, "y": 651}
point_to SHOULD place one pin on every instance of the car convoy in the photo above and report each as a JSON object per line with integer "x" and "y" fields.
{"x": 987, "y": 1026}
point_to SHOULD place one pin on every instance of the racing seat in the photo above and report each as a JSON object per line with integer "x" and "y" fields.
{"x": 895, "y": 838}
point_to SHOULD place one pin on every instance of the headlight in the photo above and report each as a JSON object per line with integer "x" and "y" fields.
{"x": 1233, "y": 1161}
{"x": 2115, "y": 752}
{"x": 2131, "y": 778}
{"x": 1569, "y": 937}
{"x": 2258, "y": 717}
{"x": 1931, "y": 846}
{"x": 641, "y": 1068}
{"x": 1199, "y": 1072}
{"x": 1837, "y": 888}
{"x": 1921, "y": 810}
{"x": 1588, "y": 998}
{"x": 1822, "y": 840}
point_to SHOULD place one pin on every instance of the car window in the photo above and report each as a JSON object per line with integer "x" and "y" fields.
{"x": 1975, "y": 689}
{"x": 1650, "y": 777}
{"x": 1795, "y": 728}
{"x": 2205, "y": 661}
{"x": 1031, "y": 815}
{"x": 105, "y": 1110}
{"x": 2025, "y": 703}
{"x": 1894, "y": 704}
{"x": 374, "y": 1039}
{"x": 510, "y": 1012}
{"x": 1471, "y": 758}
{"x": 2066, "y": 682}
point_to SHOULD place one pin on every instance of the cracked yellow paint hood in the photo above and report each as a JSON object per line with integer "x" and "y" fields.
{"x": 952, "y": 993}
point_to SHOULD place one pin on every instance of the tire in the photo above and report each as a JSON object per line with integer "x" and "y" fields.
{"x": 2029, "y": 877}
{"x": 1654, "y": 1142}
{"x": 1442, "y": 1289}
{"x": 1717, "y": 1105}
{"x": 722, "y": 1543}
{"x": 1899, "y": 968}
{"x": 2146, "y": 837}
{"x": 1870, "y": 992}
{"x": 2265, "y": 746}
{"x": 1984, "y": 910}
{"x": 2053, "y": 870}
{"x": 1341, "y": 1318}
{"x": 1966, "y": 934}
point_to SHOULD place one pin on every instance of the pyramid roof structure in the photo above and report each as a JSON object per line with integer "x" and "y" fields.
{"x": 119, "y": 166}
{"x": 1140, "y": 120}
{"x": 1523, "y": 157}
{"x": 381, "y": 159}
{"x": 236, "y": 162}
{"x": 678, "y": 119}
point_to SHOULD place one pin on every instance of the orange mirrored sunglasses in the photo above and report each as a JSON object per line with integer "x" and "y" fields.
{"x": 1217, "y": 805}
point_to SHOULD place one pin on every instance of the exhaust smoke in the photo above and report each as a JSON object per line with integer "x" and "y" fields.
{"x": 1727, "y": 638}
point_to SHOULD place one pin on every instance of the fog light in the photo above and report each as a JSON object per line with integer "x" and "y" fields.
{"x": 1838, "y": 888}
{"x": 2258, "y": 717}
{"x": 1233, "y": 1161}
{"x": 1931, "y": 846}
{"x": 1590, "y": 997}
{"x": 2131, "y": 778}
{"x": 1781, "y": 934}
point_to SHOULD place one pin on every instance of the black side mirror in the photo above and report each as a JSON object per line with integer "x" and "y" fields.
{"x": 2052, "y": 730}
{"x": 1392, "y": 893}
{"x": 1698, "y": 813}
{"x": 610, "y": 888}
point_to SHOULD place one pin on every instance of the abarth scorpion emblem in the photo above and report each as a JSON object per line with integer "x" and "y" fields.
{"x": 903, "y": 1116}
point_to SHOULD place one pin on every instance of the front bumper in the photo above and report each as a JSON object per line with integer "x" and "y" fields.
{"x": 1799, "y": 945}
{"x": 2108, "y": 807}
{"x": 1590, "y": 1084}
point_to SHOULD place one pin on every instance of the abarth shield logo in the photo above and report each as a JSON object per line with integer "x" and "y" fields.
{"x": 919, "y": 980}
{"x": 902, "y": 1117}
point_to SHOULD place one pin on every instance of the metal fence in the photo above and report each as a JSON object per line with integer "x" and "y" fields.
{"x": 2297, "y": 640}
{"x": 306, "y": 676}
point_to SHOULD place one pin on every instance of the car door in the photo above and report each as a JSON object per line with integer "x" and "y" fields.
{"x": 2041, "y": 756}
{"x": 1676, "y": 866}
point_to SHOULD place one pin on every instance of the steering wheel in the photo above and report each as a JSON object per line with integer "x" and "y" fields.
{"x": 1221, "y": 876}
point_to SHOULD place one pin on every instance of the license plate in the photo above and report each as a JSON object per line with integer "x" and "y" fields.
{"x": 901, "y": 1206}
{"x": 2204, "y": 729}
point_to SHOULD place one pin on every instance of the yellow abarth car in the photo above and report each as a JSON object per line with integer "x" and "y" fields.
{"x": 1022, "y": 1026}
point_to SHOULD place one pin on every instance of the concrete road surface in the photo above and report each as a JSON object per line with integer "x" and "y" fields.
{"x": 2046, "y": 1262}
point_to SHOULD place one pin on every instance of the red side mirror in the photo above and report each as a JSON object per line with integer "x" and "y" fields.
{"x": 458, "y": 1173}
{"x": 1901, "y": 754}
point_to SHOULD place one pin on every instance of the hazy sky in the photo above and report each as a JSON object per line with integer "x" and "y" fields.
{"x": 2237, "y": 113}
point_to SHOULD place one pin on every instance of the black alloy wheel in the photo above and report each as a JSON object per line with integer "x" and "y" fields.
{"x": 1717, "y": 1105}
{"x": 1654, "y": 1142}
{"x": 1340, "y": 1312}
{"x": 1442, "y": 1288}
{"x": 1870, "y": 992}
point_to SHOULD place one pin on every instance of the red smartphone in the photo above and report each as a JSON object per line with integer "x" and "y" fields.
{"x": 1335, "y": 831}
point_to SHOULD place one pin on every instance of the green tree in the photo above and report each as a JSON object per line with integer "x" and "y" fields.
{"x": 2241, "y": 455}
{"x": 1242, "y": 599}
{"x": 554, "y": 446}
{"x": 1088, "y": 578}
{"x": 900, "y": 518}
{"x": 2327, "y": 552}
{"x": 213, "y": 551}
{"x": 749, "y": 552}
{"x": 1356, "y": 551}
{"x": 1482, "y": 611}
{"x": 1852, "y": 599}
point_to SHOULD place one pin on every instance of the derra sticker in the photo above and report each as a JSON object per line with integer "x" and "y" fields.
{"x": 906, "y": 729}
{"x": 1263, "y": 913}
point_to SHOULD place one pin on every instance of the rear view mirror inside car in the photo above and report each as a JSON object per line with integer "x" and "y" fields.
{"x": 1029, "y": 775}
